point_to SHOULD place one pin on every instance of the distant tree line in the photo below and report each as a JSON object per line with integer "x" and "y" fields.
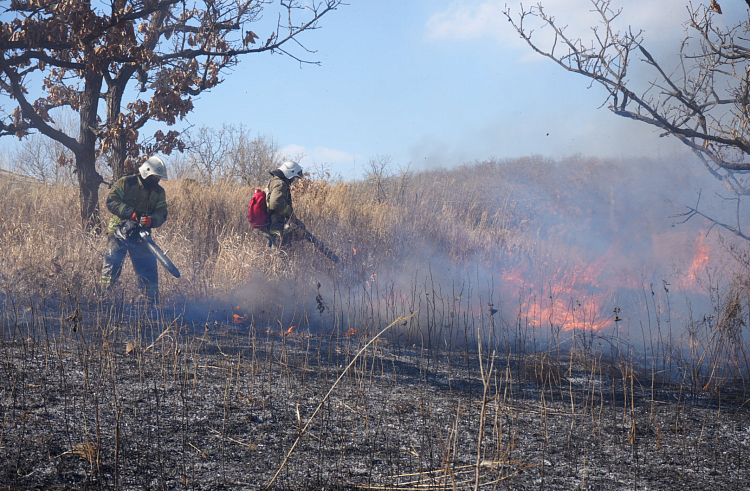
{"x": 232, "y": 152}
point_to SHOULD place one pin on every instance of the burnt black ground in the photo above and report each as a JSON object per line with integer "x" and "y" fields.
{"x": 159, "y": 405}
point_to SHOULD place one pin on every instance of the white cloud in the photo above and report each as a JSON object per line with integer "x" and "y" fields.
{"x": 337, "y": 161}
{"x": 317, "y": 155}
{"x": 477, "y": 20}
{"x": 293, "y": 151}
{"x": 323, "y": 155}
{"x": 466, "y": 21}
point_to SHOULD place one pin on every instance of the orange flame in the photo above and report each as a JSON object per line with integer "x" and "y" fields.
{"x": 568, "y": 292}
{"x": 691, "y": 281}
{"x": 286, "y": 332}
{"x": 351, "y": 332}
{"x": 570, "y": 289}
{"x": 239, "y": 319}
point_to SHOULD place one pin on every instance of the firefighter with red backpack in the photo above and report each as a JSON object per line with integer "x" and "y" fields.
{"x": 271, "y": 211}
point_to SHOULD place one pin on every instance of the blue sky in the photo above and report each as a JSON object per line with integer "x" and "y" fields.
{"x": 439, "y": 83}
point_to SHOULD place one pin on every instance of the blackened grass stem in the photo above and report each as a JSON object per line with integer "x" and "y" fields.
{"x": 362, "y": 350}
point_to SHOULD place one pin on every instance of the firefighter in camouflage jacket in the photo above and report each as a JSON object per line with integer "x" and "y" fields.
{"x": 283, "y": 223}
{"x": 136, "y": 198}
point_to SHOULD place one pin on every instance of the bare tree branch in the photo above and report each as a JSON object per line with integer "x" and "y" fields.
{"x": 705, "y": 102}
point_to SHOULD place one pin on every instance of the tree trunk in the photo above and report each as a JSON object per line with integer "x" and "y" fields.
{"x": 89, "y": 179}
{"x": 117, "y": 152}
{"x": 117, "y": 157}
{"x": 88, "y": 189}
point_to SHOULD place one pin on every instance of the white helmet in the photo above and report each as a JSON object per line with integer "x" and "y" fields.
{"x": 291, "y": 169}
{"x": 153, "y": 167}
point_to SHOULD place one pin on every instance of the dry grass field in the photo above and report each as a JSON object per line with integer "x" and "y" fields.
{"x": 409, "y": 365}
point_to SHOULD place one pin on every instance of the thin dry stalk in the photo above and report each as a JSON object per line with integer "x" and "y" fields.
{"x": 325, "y": 398}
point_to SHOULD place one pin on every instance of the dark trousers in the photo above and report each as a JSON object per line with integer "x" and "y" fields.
{"x": 144, "y": 265}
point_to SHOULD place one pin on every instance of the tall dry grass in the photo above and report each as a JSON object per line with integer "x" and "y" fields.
{"x": 208, "y": 237}
{"x": 408, "y": 241}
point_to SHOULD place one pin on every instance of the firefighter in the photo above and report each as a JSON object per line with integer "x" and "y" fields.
{"x": 135, "y": 199}
{"x": 283, "y": 225}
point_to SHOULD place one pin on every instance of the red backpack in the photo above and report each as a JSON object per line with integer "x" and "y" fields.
{"x": 257, "y": 213}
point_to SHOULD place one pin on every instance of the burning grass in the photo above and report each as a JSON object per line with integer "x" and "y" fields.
{"x": 521, "y": 357}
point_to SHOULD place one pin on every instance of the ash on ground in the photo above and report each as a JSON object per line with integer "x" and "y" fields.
{"x": 155, "y": 405}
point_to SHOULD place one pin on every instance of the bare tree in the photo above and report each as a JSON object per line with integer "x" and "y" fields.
{"x": 703, "y": 99}
{"x": 181, "y": 167}
{"x": 45, "y": 159}
{"x": 251, "y": 158}
{"x": 404, "y": 181}
{"x": 39, "y": 157}
{"x": 207, "y": 152}
{"x": 377, "y": 172}
{"x": 230, "y": 152}
{"x": 78, "y": 54}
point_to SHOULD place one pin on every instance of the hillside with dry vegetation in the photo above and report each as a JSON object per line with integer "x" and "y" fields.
{"x": 507, "y": 324}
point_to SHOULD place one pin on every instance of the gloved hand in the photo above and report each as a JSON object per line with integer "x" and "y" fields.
{"x": 145, "y": 222}
{"x": 127, "y": 230}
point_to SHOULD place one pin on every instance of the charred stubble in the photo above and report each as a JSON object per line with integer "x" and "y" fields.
{"x": 159, "y": 404}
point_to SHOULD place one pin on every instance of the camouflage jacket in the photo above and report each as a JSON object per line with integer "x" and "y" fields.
{"x": 129, "y": 194}
{"x": 279, "y": 198}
